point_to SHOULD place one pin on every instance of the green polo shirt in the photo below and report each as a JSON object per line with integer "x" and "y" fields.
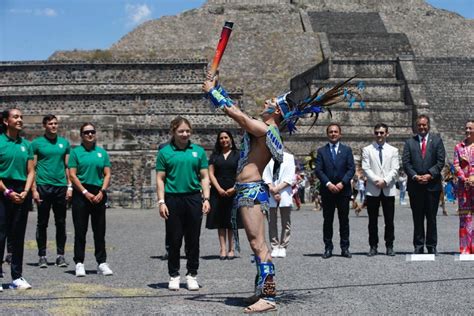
{"x": 14, "y": 156}
{"x": 50, "y": 165}
{"x": 89, "y": 164}
{"x": 182, "y": 167}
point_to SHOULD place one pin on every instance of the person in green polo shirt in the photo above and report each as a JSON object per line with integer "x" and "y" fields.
{"x": 89, "y": 170}
{"x": 181, "y": 175}
{"x": 16, "y": 178}
{"x": 52, "y": 188}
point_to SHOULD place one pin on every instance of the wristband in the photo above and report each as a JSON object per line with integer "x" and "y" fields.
{"x": 205, "y": 199}
{"x": 160, "y": 202}
{"x": 69, "y": 188}
{"x": 7, "y": 192}
{"x": 84, "y": 191}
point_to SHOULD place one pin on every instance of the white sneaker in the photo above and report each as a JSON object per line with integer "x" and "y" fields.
{"x": 80, "y": 270}
{"x": 191, "y": 282}
{"x": 104, "y": 269}
{"x": 173, "y": 285}
{"x": 20, "y": 284}
{"x": 275, "y": 252}
{"x": 1, "y": 288}
{"x": 282, "y": 252}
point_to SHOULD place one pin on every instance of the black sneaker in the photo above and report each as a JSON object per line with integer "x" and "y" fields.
{"x": 61, "y": 262}
{"x": 43, "y": 262}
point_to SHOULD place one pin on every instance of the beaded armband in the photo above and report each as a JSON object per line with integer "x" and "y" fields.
{"x": 220, "y": 98}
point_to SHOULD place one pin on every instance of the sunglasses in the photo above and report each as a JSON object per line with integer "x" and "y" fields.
{"x": 91, "y": 132}
{"x": 379, "y": 133}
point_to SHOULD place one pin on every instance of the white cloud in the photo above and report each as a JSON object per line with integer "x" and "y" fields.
{"x": 41, "y": 12}
{"x": 46, "y": 12}
{"x": 137, "y": 14}
{"x": 20, "y": 11}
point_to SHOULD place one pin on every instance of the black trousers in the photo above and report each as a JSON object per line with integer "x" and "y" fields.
{"x": 13, "y": 220}
{"x": 388, "y": 208}
{"x": 424, "y": 204}
{"x": 185, "y": 218}
{"x": 52, "y": 197}
{"x": 81, "y": 210}
{"x": 330, "y": 202}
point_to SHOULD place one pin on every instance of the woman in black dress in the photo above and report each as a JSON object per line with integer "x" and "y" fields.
{"x": 222, "y": 172}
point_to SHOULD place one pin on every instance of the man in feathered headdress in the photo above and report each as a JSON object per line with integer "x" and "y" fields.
{"x": 260, "y": 143}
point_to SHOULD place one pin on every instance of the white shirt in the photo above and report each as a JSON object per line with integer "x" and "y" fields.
{"x": 426, "y": 139}
{"x": 287, "y": 174}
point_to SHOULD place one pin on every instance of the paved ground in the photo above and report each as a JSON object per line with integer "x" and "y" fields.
{"x": 307, "y": 283}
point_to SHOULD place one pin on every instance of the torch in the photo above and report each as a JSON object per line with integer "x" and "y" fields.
{"x": 225, "y": 34}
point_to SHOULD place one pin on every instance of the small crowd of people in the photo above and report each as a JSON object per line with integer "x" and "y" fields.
{"x": 50, "y": 173}
{"x": 235, "y": 188}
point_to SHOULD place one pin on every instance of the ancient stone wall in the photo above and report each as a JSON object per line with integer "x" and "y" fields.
{"x": 449, "y": 89}
{"x": 131, "y": 104}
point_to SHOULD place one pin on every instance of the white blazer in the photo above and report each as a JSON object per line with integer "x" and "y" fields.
{"x": 373, "y": 170}
{"x": 287, "y": 174}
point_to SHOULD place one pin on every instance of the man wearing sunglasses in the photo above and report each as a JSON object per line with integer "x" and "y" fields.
{"x": 380, "y": 165}
{"x": 52, "y": 187}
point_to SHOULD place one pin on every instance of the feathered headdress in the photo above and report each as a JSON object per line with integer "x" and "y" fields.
{"x": 316, "y": 103}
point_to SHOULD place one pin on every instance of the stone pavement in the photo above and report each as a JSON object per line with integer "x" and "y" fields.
{"x": 307, "y": 284}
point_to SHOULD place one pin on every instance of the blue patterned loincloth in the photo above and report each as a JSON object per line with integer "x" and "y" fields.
{"x": 249, "y": 194}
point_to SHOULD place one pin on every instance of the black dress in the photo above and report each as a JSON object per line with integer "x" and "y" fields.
{"x": 225, "y": 171}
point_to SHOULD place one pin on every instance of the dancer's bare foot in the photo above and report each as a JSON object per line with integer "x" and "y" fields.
{"x": 260, "y": 306}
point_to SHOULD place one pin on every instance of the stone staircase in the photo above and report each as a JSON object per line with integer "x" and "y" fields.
{"x": 374, "y": 58}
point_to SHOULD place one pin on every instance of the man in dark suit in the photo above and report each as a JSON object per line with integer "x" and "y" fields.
{"x": 335, "y": 169}
{"x": 423, "y": 159}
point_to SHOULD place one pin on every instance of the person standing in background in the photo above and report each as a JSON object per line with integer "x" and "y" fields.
{"x": 222, "y": 172}
{"x": 280, "y": 198}
{"x": 402, "y": 186}
{"x": 464, "y": 168}
{"x": 89, "y": 170}
{"x": 52, "y": 188}
{"x": 380, "y": 165}
{"x": 423, "y": 159}
{"x": 17, "y": 174}
{"x": 335, "y": 168}
{"x": 181, "y": 175}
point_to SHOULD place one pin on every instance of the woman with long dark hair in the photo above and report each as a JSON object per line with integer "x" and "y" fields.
{"x": 89, "y": 171}
{"x": 222, "y": 172}
{"x": 464, "y": 168}
{"x": 181, "y": 176}
{"x": 16, "y": 178}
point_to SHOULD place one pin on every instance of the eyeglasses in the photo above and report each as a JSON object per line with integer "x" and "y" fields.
{"x": 91, "y": 132}
{"x": 379, "y": 133}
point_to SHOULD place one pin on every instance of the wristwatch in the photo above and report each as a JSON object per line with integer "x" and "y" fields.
{"x": 205, "y": 199}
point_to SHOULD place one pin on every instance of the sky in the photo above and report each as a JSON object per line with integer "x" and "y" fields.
{"x": 35, "y": 29}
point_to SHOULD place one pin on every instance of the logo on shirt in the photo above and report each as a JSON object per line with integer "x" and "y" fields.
{"x": 195, "y": 154}
{"x": 61, "y": 145}
{"x": 23, "y": 148}
{"x": 99, "y": 155}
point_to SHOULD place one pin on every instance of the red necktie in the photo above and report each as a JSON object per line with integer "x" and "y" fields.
{"x": 423, "y": 147}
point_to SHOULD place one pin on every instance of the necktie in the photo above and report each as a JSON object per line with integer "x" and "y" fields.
{"x": 333, "y": 152}
{"x": 423, "y": 147}
{"x": 380, "y": 153}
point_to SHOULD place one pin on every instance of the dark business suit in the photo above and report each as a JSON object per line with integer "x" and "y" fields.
{"x": 340, "y": 170}
{"x": 424, "y": 198}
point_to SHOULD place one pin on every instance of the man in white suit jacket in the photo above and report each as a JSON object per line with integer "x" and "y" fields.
{"x": 380, "y": 164}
